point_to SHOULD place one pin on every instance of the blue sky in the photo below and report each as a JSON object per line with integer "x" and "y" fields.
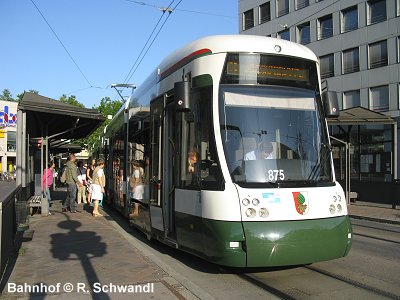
{"x": 104, "y": 37}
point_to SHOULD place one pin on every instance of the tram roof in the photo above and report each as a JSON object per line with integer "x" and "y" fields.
{"x": 360, "y": 116}
{"x": 238, "y": 43}
{"x": 59, "y": 119}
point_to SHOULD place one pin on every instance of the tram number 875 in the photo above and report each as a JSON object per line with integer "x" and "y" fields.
{"x": 274, "y": 175}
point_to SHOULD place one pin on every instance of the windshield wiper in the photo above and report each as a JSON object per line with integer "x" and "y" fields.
{"x": 315, "y": 171}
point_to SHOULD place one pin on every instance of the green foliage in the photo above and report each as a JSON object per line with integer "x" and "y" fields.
{"x": 71, "y": 100}
{"x": 19, "y": 96}
{"x": 6, "y": 95}
{"x": 107, "y": 107}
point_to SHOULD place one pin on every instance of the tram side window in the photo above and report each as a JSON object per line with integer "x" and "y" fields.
{"x": 117, "y": 167}
{"x": 200, "y": 164}
{"x": 138, "y": 154}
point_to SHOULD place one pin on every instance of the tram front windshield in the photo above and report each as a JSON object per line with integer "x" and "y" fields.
{"x": 273, "y": 134}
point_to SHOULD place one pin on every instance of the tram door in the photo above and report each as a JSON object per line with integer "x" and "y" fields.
{"x": 162, "y": 166}
{"x": 169, "y": 167}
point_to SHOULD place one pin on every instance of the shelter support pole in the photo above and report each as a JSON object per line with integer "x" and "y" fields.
{"x": 21, "y": 149}
{"x": 397, "y": 192}
{"x": 347, "y": 168}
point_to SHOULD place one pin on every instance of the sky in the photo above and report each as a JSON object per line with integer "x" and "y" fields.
{"x": 100, "y": 42}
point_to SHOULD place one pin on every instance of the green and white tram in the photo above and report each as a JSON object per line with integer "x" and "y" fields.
{"x": 232, "y": 136}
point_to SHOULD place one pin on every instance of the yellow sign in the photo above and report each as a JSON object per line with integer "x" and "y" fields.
{"x": 1, "y": 134}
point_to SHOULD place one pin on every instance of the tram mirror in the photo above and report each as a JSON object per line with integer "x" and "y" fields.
{"x": 182, "y": 95}
{"x": 330, "y": 104}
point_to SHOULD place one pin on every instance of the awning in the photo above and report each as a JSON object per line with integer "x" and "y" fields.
{"x": 360, "y": 116}
{"x": 49, "y": 117}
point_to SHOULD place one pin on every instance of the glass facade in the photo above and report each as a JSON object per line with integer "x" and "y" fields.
{"x": 265, "y": 12}
{"x": 379, "y": 98}
{"x": 378, "y": 55}
{"x": 11, "y": 141}
{"x": 349, "y": 19}
{"x": 282, "y": 7}
{"x": 302, "y": 3}
{"x": 284, "y": 34}
{"x": 325, "y": 29}
{"x": 303, "y": 32}
{"x": 371, "y": 152}
{"x": 248, "y": 19}
{"x": 376, "y": 11}
{"x": 327, "y": 66}
{"x": 351, "y": 61}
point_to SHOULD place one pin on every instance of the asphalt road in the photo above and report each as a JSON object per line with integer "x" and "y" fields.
{"x": 370, "y": 271}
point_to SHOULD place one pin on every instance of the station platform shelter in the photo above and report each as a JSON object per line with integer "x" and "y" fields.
{"x": 45, "y": 129}
{"x": 365, "y": 154}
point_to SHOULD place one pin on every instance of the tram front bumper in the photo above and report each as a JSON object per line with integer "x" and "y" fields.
{"x": 284, "y": 243}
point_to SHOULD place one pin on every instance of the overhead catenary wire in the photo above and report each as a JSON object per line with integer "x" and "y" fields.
{"x": 62, "y": 44}
{"x": 145, "y": 45}
{"x": 155, "y": 37}
{"x": 182, "y": 10}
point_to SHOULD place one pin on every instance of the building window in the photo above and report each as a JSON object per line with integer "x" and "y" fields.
{"x": 11, "y": 141}
{"x": 248, "y": 19}
{"x": 284, "y": 34}
{"x": 327, "y": 66}
{"x": 398, "y": 49}
{"x": 376, "y": 11}
{"x": 351, "y": 99}
{"x": 265, "y": 12}
{"x": 397, "y": 7}
{"x": 282, "y": 7}
{"x": 378, "y": 56}
{"x": 351, "y": 61}
{"x": 301, "y": 4}
{"x": 325, "y": 29}
{"x": 349, "y": 19}
{"x": 379, "y": 98}
{"x": 303, "y": 33}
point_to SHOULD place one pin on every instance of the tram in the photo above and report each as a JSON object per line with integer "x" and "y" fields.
{"x": 231, "y": 138}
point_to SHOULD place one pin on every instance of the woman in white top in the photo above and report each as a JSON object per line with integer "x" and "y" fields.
{"x": 136, "y": 183}
{"x": 99, "y": 182}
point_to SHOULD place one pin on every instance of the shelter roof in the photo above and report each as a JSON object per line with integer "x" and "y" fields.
{"x": 360, "y": 116}
{"x": 55, "y": 119}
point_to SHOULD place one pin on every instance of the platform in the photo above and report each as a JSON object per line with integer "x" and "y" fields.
{"x": 78, "y": 250}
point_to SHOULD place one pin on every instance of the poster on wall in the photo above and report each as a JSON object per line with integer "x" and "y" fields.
{"x": 8, "y": 114}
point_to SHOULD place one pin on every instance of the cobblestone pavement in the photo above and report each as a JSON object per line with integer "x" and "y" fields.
{"x": 83, "y": 251}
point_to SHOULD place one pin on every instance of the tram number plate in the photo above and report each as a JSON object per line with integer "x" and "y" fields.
{"x": 274, "y": 175}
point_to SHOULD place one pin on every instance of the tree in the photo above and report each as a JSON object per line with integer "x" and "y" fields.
{"x": 107, "y": 107}
{"x": 6, "y": 95}
{"x": 19, "y": 96}
{"x": 71, "y": 100}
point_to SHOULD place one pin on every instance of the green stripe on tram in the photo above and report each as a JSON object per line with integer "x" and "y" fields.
{"x": 261, "y": 244}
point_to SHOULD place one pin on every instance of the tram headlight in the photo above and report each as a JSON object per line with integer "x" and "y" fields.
{"x": 263, "y": 212}
{"x": 334, "y": 198}
{"x": 251, "y": 212}
{"x": 255, "y": 201}
{"x": 245, "y": 201}
{"x": 332, "y": 209}
{"x": 339, "y": 198}
{"x": 339, "y": 208}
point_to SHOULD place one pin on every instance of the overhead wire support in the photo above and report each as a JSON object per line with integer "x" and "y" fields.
{"x": 155, "y": 37}
{"x": 144, "y": 47}
{"x": 62, "y": 44}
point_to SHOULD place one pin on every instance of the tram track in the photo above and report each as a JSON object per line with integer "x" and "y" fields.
{"x": 272, "y": 284}
{"x": 353, "y": 282}
{"x": 376, "y": 238}
{"x": 377, "y": 233}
